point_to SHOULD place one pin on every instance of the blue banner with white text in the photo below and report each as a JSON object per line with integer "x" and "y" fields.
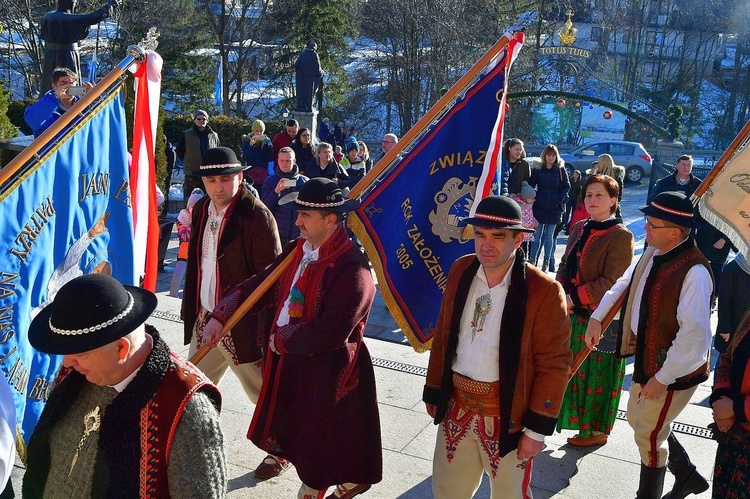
{"x": 410, "y": 223}
{"x": 66, "y": 214}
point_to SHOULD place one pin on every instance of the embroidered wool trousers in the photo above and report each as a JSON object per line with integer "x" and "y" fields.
{"x": 651, "y": 421}
{"x": 465, "y": 448}
{"x": 219, "y": 359}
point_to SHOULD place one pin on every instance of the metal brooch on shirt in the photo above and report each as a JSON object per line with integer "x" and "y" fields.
{"x": 91, "y": 423}
{"x": 305, "y": 262}
{"x": 482, "y": 307}
{"x": 213, "y": 225}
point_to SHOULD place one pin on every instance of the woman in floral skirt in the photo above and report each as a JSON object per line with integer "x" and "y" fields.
{"x": 599, "y": 251}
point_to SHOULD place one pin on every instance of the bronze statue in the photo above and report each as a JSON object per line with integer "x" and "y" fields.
{"x": 61, "y": 32}
{"x": 308, "y": 75}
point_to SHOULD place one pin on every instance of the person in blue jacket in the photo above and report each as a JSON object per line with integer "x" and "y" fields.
{"x": 257, "y": 151}
{"x": 285, "y": 180}
{"x": 41, "y": 114}
{"x": 552, "y": 185}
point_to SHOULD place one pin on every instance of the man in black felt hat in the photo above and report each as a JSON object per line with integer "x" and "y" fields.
{"x": 665, "y": 323}
{"x": 125, "y": 406}
{"x": 318, "y": 407}
{"x": 234, "y": 237}
{"x": 499, "y": 361}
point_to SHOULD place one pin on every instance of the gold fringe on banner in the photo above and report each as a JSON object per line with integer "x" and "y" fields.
{"x": 359, "y": 230}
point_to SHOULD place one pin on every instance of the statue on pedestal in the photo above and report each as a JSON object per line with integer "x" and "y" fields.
{"x": 309, "y": 76}
{"x": 62, "y": 30}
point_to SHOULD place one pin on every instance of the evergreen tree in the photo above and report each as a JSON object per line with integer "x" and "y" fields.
{"x": 7, "y": 129}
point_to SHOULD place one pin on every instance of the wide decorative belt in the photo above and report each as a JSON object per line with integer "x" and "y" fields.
{"x": 60, "y": 46}
{"x": 478, "y": 397}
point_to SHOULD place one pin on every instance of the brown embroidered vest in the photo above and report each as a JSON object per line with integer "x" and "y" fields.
{"x": 657, "y": 325}
{"x": 159, "y": 419}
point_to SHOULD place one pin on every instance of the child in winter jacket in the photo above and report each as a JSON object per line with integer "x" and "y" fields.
{"x": 183, "y": 233}
{"x": 526, "y": 201}
{"x": 354, "y": 165}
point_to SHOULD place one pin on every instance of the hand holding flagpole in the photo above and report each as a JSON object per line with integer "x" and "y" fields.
{"x": 251, "y": 300}
{"x": 606, "y": 321}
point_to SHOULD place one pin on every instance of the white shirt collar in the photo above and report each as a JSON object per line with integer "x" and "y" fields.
{"x": 212, "y": 209}
{"x": 506, "y": 279}
{"x": 124, "y": 383}
{"x": 310, "y": 253}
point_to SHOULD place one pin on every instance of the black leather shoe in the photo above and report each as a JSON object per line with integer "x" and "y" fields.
{"x": 693, "y": 484}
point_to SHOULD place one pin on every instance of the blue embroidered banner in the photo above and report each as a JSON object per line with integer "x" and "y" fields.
{"x": 410, "y": 224}
{"x": 65, "y": 215}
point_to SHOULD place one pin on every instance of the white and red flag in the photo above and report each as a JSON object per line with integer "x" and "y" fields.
{"x": 143, "y": 168}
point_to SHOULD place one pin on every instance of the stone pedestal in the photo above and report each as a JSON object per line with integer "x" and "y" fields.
{"x": 308, "y": 120}
{"x": 668, "y": 151}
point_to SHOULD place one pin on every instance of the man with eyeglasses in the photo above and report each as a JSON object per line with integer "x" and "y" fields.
{"x": 665, "y": 323}
{"x": 389, "y": 141}
{"x": 191, "y": 146}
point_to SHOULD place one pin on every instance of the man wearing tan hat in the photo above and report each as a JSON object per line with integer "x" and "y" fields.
{"x": 499, "y": 361}
{"x": 665, "y": 323}
{"x": 318, "y": 408}
{"x": 125, "y": 406}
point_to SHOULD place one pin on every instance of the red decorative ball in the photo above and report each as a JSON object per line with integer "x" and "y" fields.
{"x": 643, "y": 129}
{"x": 560, "y": 102}
{"x": 607, "y": 115}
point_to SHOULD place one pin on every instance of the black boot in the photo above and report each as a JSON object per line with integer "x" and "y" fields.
{"x": 687, "y": 480}
{"x": 651, "y": 483}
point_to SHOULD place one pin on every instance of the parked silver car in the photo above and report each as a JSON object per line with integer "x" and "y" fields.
{"x": 632, "y": 155}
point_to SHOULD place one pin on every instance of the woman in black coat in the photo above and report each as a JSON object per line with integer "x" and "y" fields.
{"x": 304, "y": 148}
{"x": 552, "y": 185}
{"x": 326, "y": 166}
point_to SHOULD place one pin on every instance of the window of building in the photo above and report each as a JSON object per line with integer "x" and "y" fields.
{"x": 649, "y": 69}
{"x": 596, "y": 33}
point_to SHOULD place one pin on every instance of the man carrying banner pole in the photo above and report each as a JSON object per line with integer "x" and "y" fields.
{"x": 317, "y": 407}
{"x": 666, "y": 325}
{"x": 499, "y": 362}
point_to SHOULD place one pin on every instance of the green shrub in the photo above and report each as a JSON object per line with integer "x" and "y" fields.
{"x": 15, "y": 114}
{"x": 229, "y": 129}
